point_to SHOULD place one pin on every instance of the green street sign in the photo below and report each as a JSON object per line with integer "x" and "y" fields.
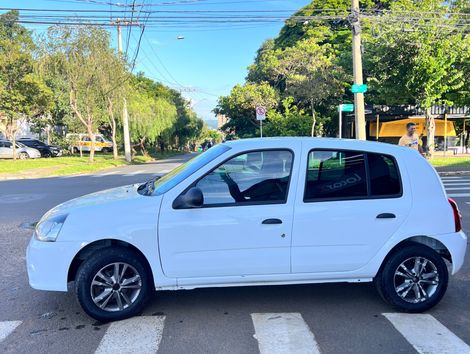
{"x": 347, "y": 107}
{"x": 359, "y": 88}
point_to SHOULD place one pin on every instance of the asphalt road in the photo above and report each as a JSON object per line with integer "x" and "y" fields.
{"x": 326, "y": 318}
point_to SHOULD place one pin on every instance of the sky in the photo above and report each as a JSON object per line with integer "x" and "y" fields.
{"x": 209, "y": 60}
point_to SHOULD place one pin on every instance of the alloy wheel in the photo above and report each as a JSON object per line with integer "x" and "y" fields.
{"x": 416, "y": 279}
{"x": 115, "y": 287}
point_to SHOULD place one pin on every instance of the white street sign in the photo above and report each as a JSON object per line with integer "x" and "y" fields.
{"x": 260, "y": 113}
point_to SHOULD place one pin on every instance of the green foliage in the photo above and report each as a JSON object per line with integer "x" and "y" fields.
{"x": 186, "y": 127}
{"x": 292, "y": 122}
{"x": 149, "y": 116}
{"x": 416, "y": 61}
{"x": 23, "y": 95}
{"x": 241, "y": 104}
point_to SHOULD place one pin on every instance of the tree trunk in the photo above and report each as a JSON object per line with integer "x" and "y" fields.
{"x": 13, "y": 141}
{"x": 467, "y": 136}
{"x": 11, "y": 134}
{"x": 113, "y": 139}
{"x": 112, "y": 121}
{"x": 314, "y": 119}
{"x": 142, "y": 147}
{"x": 430, "y": 132}
{"x": 48, "y": 134}
{"x": 92, "y": 146}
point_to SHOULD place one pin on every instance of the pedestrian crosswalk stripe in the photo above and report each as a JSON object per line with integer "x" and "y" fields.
{"x": 426, "y": 334}
{"x": 141, "y": 335}
{"x": 457, "y": 188}
{"x": 165, "y": 171}
{"x": 458, "y": 195}
{"x": 283, "y": 333}
{"x": 6, "y": 327}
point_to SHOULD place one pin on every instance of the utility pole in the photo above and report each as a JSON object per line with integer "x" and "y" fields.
{"x": 125, "y": 116}
{"x": 359, "y": 114}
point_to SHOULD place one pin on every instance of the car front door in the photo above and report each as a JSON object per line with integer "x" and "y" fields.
{"x": 244, "y": 226}
{"x": 349, "y": 204}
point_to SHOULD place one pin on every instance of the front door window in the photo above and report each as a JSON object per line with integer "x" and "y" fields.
{"x": 258, "y": 177}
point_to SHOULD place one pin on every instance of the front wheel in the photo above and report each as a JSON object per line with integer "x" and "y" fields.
{"x": 23, "y": 155}
{"x": 113, "y": 284}
{"x": 414, "y": 279}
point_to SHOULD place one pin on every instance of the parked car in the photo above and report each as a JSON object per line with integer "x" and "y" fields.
{"x": 22, "y": 151}
{"x": 83, "y": 140}
{"x": 258, "y": 212}
{"x": 43, "y": 148}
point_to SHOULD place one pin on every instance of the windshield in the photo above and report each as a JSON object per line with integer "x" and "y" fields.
{"x": 183, "y": 171}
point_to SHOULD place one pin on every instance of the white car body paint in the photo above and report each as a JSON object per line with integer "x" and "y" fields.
{"x": 228, "y": 246}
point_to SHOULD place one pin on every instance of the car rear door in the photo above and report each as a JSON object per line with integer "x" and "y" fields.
{"x": 349, "y": 204}
{"x": 244, "y": 226}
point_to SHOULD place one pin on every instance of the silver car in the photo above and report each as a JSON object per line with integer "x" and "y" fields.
{"x": 22, "y": 151}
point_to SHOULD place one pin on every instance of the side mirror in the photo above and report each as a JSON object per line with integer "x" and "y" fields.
{"x": 193, "y": 198}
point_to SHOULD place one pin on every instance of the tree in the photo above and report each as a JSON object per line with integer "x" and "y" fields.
{"x": 113, "y": 86}
{"x": 241, "y": 104}
{"x": 23, "y": 95}
{"x": 417, "y": 58}
{"x": 187, "y": 126}
{"x": 149, "y": 117}
{"x": 292, "y": 122}
{"x": 77, "y": 55}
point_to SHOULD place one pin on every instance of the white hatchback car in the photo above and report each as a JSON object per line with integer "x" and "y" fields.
{"x": 258, "y": 212}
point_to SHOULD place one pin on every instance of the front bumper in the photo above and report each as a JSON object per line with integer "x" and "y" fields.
{"x": 48, "y": 263}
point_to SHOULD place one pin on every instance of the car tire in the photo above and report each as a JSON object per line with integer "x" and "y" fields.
{"x": 23, "y": 156}
{"x": 104, "y": 298}
{"x": 413, "y": 279}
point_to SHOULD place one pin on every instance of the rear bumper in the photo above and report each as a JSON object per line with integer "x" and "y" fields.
{"x": 456, "y": 243}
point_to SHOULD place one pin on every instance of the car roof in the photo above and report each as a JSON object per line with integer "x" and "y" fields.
{"x": 321, "y": 143}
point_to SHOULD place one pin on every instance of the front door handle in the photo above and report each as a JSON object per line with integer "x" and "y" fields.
{"x": 386, "y": 216}
{"x": 272, "y": 221}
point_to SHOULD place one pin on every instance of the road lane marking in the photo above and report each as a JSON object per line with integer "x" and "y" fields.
{"x": 107, "y": 174}
{"x": 426, "y": 334}
{"x": 134, "y": 173}
{"x": 283, "y": 333}
{"x": 458, "y": 195}
{"x": 7, "y": 327}
{"x": 164, "y": 171}
{"x": 141, "y": 334}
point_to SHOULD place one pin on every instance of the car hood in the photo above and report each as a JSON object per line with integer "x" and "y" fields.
{"x": 108, "y": 196}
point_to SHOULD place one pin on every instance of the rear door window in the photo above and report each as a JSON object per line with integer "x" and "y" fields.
{"x": 345, "y": 174}
{"x": 335, "y": 175}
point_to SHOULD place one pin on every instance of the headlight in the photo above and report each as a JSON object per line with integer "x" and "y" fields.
{"x": 47, "y": 230}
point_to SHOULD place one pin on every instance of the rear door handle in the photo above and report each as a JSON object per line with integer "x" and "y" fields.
{"x": 272, "y": 221}
{"x": 386, "y": 216}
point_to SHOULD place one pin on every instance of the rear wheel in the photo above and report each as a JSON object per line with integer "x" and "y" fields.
{"x": 413, "y": 279}
{"x": 113, "y": 284}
